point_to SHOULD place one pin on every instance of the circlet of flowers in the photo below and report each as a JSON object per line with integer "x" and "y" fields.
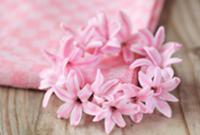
{"x": 77, "y": 78}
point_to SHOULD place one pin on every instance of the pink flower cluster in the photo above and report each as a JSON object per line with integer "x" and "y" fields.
{"x": 76, "y": 78}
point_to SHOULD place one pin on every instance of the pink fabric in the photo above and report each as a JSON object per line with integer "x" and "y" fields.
{"x": 29, "y": 26}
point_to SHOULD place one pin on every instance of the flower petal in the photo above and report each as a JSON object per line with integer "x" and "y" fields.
{"x": 76, "y": 84}
{"x": 150, "y": 71}
{"x": 150, "y": 104}
{"x": 145, "y": 93}
{"x": 105, "y": 88}
{"x": 140, "y": 62}
{"x": 167, "y": 73}
{"x": 171, "y": 84}
{"x": 137, "y": 117}
{"x": 66, "y": 46}
{"x": 143, "y": 108}
{"x": 98, "y": 99}
{"x": 98, "y": 81}
{"x": 115, "y": 30}
{"x": 168, "y": 97}
{"x": 172, "y": 61}
{"x": 47, "y": 96}
{"x": 125, "y": 25}
{"x": 76, "y": 55}
{"x": 72, "y": 83}
{"x": 146, "y": 36}
{"x": 159, "y": 37}
{"x": 65, "y": 110}
{"x": 95, "y": 44}
{"x": 100, "y": 115}
{"x": 62, "y": 94}
{"x": 128, "y": 109}
{"x": 80, "y": 75}
{"x": 118, "y": 119}
{"x": 154, "y": 55}
{"x": 157, "y": 77}
{"x": 169, "y": 49}
{"x": 85, "y": 93}
{"x": 76, "y": 115}
{"x": 101, "y": 23}
{"x": 137, "y": 48}
{"x": 89, "y": 59}
{"x": 164, "y": 108}
{"x": 108, "y": 124}
{"x": 91, "y": 108}
{"x": 112, "y": 47}
{"x": 129, "y": 89}
{"x": 144, "y": 80}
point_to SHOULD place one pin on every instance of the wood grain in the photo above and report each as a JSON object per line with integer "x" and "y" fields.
{"x": 183, "y": 25}
{"x": 21, "y": 112}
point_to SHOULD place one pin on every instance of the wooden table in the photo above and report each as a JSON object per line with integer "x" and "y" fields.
{"x": 21, "y": 112}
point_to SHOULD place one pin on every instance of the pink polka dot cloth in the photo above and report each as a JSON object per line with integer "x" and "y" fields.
{"x": 27, "y": 27}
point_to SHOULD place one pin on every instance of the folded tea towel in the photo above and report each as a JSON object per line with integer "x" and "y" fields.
{"x": 27, "y": 27}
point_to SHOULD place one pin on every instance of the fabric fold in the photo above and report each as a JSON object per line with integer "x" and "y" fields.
{"x": 27, "y": 27}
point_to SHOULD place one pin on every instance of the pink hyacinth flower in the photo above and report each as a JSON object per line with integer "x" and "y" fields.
{"x": 134, "y": 74}
{"x": 51, "y": 78}
{"x": 125, "y": 37}
{"x": 57, "y": 61}
{"x": 101, "y": 88}
{"x": 112, "y": 111}
{"x": 161, "y": 89}
{"x": 137, "y": 96}
{"x": 77, "y": 100}
{"x": 156, "y": 59}
{"x": 83, "y": 36}
{"x": 154, "y": 51}
{"x": 146, "y": 39}
{"x": 69, "y": 57}
{"x": 102, "y": 39}
{"x": 74, "y": 57}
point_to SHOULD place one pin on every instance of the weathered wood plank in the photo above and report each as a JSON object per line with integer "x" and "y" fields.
{"x": 183, "y": 25}
{"x": 22, "y": 114}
